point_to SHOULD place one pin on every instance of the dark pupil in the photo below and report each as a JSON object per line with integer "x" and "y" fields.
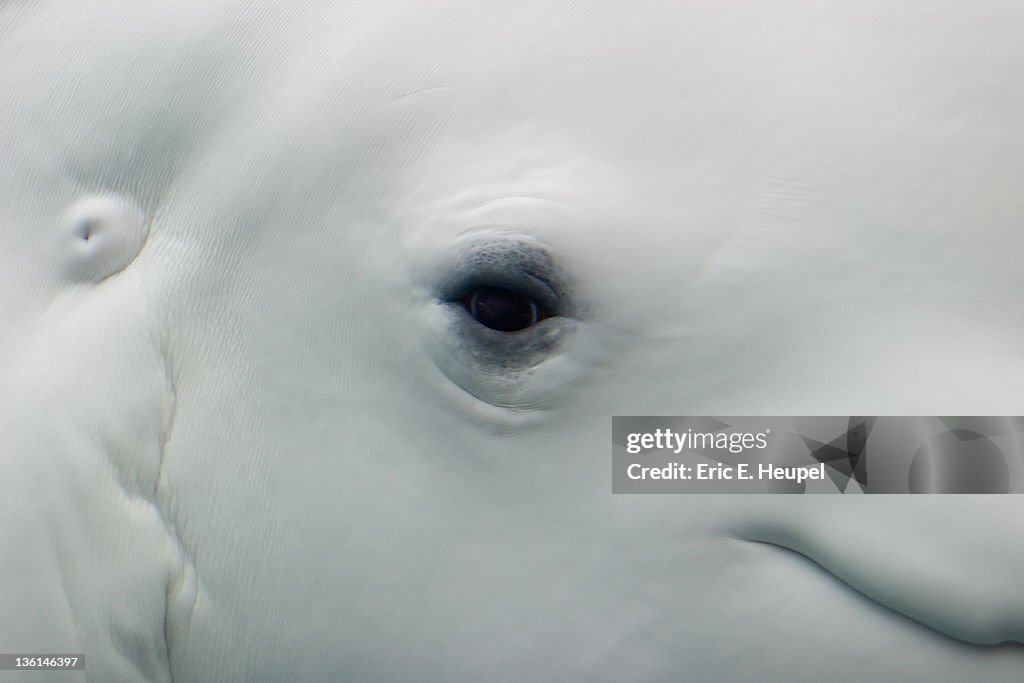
{"x": 501, "y": 309}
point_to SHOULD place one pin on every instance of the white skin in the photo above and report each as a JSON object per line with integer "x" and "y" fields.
{"x": 243, "y": 437}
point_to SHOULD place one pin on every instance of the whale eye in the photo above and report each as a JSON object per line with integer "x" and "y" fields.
{"x": 502, "y": 309}
{"x": 502, "y": 306}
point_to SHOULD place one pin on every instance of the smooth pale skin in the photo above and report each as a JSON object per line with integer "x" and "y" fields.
{"x": 241, "y": 438}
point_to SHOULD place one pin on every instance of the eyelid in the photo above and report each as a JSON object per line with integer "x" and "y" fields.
{"x": 518, "y": 266}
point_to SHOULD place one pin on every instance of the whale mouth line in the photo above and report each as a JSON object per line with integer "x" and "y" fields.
{"x": 908, "y": 616}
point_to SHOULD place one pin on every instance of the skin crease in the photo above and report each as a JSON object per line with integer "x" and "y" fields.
{"x": 264, "y": 448}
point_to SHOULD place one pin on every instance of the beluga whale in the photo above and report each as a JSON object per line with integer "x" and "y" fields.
{"x": 314, "y": 318}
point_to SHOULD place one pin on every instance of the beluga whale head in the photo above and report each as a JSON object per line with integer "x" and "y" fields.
{"x": 314, "y": 318}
